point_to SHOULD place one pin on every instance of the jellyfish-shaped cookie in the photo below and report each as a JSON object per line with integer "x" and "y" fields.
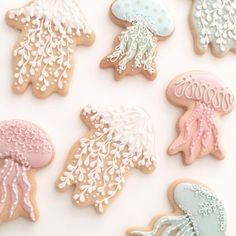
{"x": 214, "y": 23}
{"x": 206, "y": 100}
{"x": 146, "y": 22}
{"x": 44, "y": 52}
{"x": 24, "y": 148}
{"x": 197, "y": 212}
{"x": 119, "y": 140}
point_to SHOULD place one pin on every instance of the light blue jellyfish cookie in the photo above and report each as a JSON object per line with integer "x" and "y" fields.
{"x": 135, "y": 49}
{"x": 198, "y": 212}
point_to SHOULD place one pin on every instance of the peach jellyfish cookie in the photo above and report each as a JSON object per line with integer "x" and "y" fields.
{"x": 197, "y": 212}
{"x": 44, "y": 52}
{"x": 24, "y": 148}
{"x": 146, "y": 22}
{"x": 119, "y": 140}
{"x": 206, "y": 101}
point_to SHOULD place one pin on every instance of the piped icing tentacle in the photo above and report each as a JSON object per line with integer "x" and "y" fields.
{"x": 136, "y": 47}
{"x": 214, "y": 23}
{"x": 23, "y": 147}
{"x": 206, "y": 100}
{"x": 120, "y": 139}
{"x": 43, "y": 56}
{"x": 200, "y": 213}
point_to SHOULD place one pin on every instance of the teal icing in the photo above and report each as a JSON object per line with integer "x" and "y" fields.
{"x": 150, "y": 12}
{"x": 205, "y": 210}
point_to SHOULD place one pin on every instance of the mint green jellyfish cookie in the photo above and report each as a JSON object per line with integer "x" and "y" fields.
{"x": 197, "y": 212}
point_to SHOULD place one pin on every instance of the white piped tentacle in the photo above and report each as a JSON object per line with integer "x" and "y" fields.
{"x": 25, "y": 186}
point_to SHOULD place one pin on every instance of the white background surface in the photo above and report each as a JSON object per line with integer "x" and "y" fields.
{"x": 144, "y": 195}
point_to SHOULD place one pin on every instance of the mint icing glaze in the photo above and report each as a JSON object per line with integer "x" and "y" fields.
{"x": 203, "y": 214}
{"x": 152, "y": 13}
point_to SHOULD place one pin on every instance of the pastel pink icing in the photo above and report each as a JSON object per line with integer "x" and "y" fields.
{"x": 23, "y": 146}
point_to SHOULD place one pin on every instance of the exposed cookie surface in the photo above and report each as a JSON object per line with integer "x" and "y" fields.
{"x": 44, "y": 53}
{"x": 145, "y": 22}
{"x": 119, "y": 140}
{"x": 24, "y": 148}
{"x": 197, "y": 212}
{"x": 214, "y": 23}
{"x": 205, "y": 100}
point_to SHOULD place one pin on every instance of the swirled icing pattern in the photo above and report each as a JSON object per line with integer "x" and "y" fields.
{"x": 23, "y": 146}
{"x": 203, "y": 214}
{"x": 51, "y": 29}
{"x": 206, "y": 100}
{"x": 119, "y": 140}
{"x": 151, "y": 13}
{"x": 215, "y": 24}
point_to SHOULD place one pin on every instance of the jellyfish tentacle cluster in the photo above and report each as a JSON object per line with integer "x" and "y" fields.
{"x": 44, "y": 55}
{"x": 120, "y": 139}
{"x": 23, "y": 147}
{"x": 136, "y": 47}
{"x": 202, "y": 214}
{"x": 206, "y": 101}
{"x": 136, "y": 44}
{"x": 215, "y": 24}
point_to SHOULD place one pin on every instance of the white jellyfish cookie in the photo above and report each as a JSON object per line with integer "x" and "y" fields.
{"x": 197, "y": 211}
{"x": 24, "y": 148}
{"x": 44, "y": 52}
{"x": 119, "y": 139}
{"x": 205, "y": 100}
{"x": 146, "y": 22}
{"x": 214, "y": 23}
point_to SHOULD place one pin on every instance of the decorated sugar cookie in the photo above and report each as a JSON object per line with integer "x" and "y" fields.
{"x": 214, "y": 23}
{"x": 205, "y": 100}
{"x": 146, "y": 22}
{"x": 44, "y": 52}
{"x": 119, "y": 140}
{"x": 24, "y": 148}
{"x": 197, "y": 211}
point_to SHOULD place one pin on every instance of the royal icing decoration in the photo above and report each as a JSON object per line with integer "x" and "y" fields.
{"x": 43, "y": 56}
{"x": 200, "y": 213}
{"x": 119, "y": 139}
{"x": 23, "y": 147}
{"x": 215, "y": 23}
{"x": 206, "y": 100}
{"x": 136, "y": 47}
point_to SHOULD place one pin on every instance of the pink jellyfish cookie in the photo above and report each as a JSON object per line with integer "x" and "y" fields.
{"x": 146, "y": 22}
{"x": 214, "y": 23}
{"x": 44, "y": 52}
{"x": 24, "y": 148}
{"x": 119, "y": 139}
{"x": 205, "y": 100}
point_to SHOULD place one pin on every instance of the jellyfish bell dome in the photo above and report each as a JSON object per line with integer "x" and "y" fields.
{"x": 25, "y": 143}
{"x": 151, "y": 13}
{"x": 205, "y": 210}
{"x": 200, "y": 86}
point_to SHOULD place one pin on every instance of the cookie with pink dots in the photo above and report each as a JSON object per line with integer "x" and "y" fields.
{"x": 24, "y": 148}
{"x": 44, "y": 52}
{"x": 119, "y": 140}
{"x": 205, "y": 100}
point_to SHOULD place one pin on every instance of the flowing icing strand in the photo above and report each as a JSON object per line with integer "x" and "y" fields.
{"x": 215, "y": 22}
{"x": 219, "y": 99}
{"x": 45, "y": 54}
{"x": 199, "y": 129}
{"x": 136, "y": 45}
{"x": 123, "y": 140}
